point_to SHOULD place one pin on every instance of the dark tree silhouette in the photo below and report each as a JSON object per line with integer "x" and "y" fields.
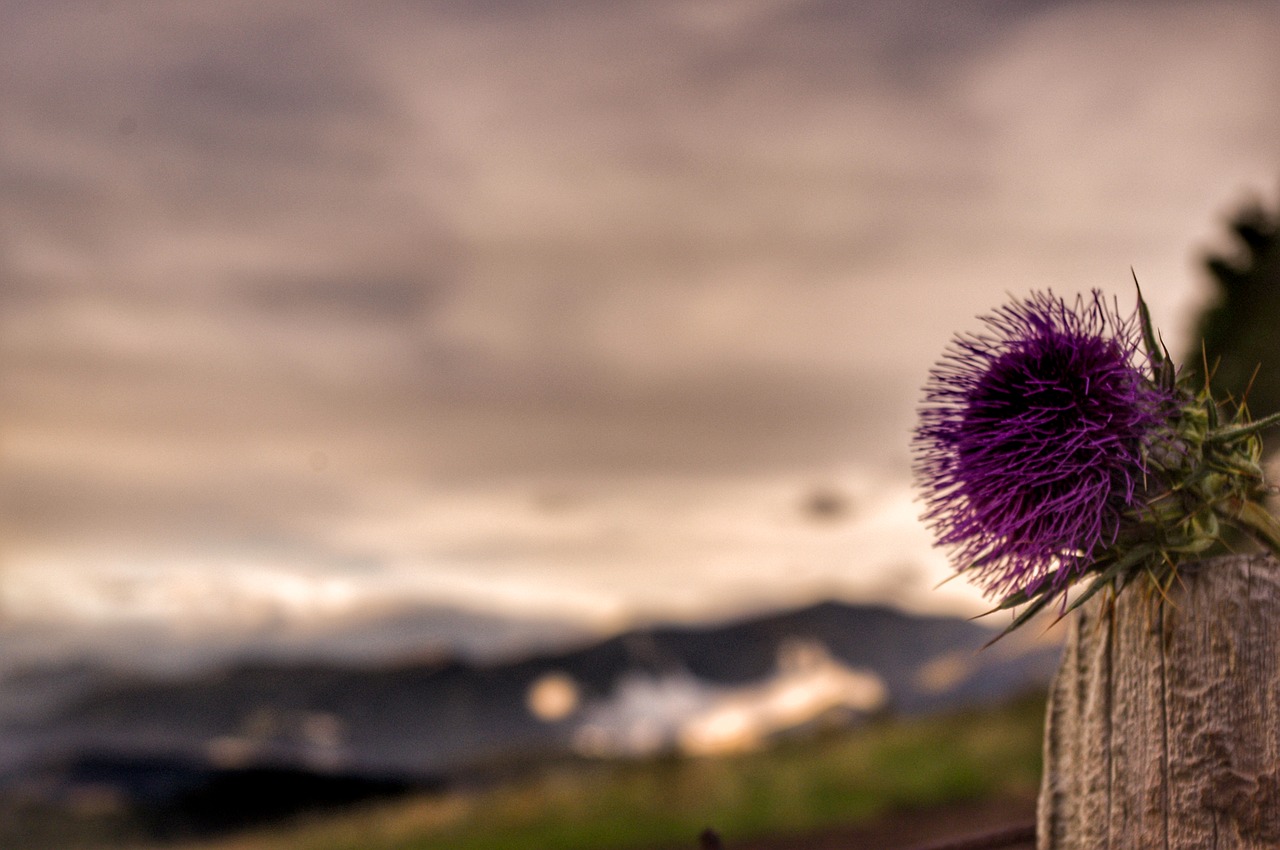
{"x": 1240, "y": 329}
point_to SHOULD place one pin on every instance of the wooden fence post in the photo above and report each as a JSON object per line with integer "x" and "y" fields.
{"x": 1163, "y": 726}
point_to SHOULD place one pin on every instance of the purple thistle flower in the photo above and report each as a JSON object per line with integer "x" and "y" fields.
{"x": 1030, "y": 443}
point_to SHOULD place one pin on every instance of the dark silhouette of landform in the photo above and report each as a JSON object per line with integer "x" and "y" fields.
{"x": 1240, "y": 329}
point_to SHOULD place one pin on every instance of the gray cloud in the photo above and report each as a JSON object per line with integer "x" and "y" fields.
{"x": 468, "y": 244}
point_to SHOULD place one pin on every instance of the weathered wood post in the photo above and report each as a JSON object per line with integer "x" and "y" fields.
{"x": 1163, "y": 726}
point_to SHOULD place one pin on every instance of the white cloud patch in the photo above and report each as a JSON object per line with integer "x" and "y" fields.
{"x": 677, "y": 712}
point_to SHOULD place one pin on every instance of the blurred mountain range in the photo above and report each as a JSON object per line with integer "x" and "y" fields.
{"x": 320, "y": 729}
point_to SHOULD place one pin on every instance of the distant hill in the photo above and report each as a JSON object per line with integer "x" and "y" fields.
{"x": 428, "y": 722}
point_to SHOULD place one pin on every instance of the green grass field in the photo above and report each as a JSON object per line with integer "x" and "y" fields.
{"x": 830, "y": 779}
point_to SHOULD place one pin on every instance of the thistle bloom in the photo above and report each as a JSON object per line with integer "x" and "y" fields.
{"x": 1030, "y": 448}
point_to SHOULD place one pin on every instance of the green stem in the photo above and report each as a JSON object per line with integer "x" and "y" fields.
{"x": 1226, "y": 435}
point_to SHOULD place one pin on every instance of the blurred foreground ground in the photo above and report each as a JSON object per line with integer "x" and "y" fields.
{"x": 911, "y": 828}
{"x": 889, "y": 782}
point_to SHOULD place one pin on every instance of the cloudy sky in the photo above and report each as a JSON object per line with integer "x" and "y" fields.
{"x": 312, "y": 311}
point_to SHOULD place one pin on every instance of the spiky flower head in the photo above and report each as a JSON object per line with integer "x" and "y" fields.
{"x": 1030, "y": 448}
{"x": 1050, "y": 448}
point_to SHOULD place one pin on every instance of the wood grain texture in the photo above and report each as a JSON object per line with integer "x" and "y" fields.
{"x": 1163, "y": 724}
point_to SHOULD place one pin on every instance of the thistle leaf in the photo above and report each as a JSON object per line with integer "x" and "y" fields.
{"x": 1260, "y": 523}
{"x": 1025, "y": 615}
{"x": 1154, "y": 353}
{"x": 1131, "y": 559}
